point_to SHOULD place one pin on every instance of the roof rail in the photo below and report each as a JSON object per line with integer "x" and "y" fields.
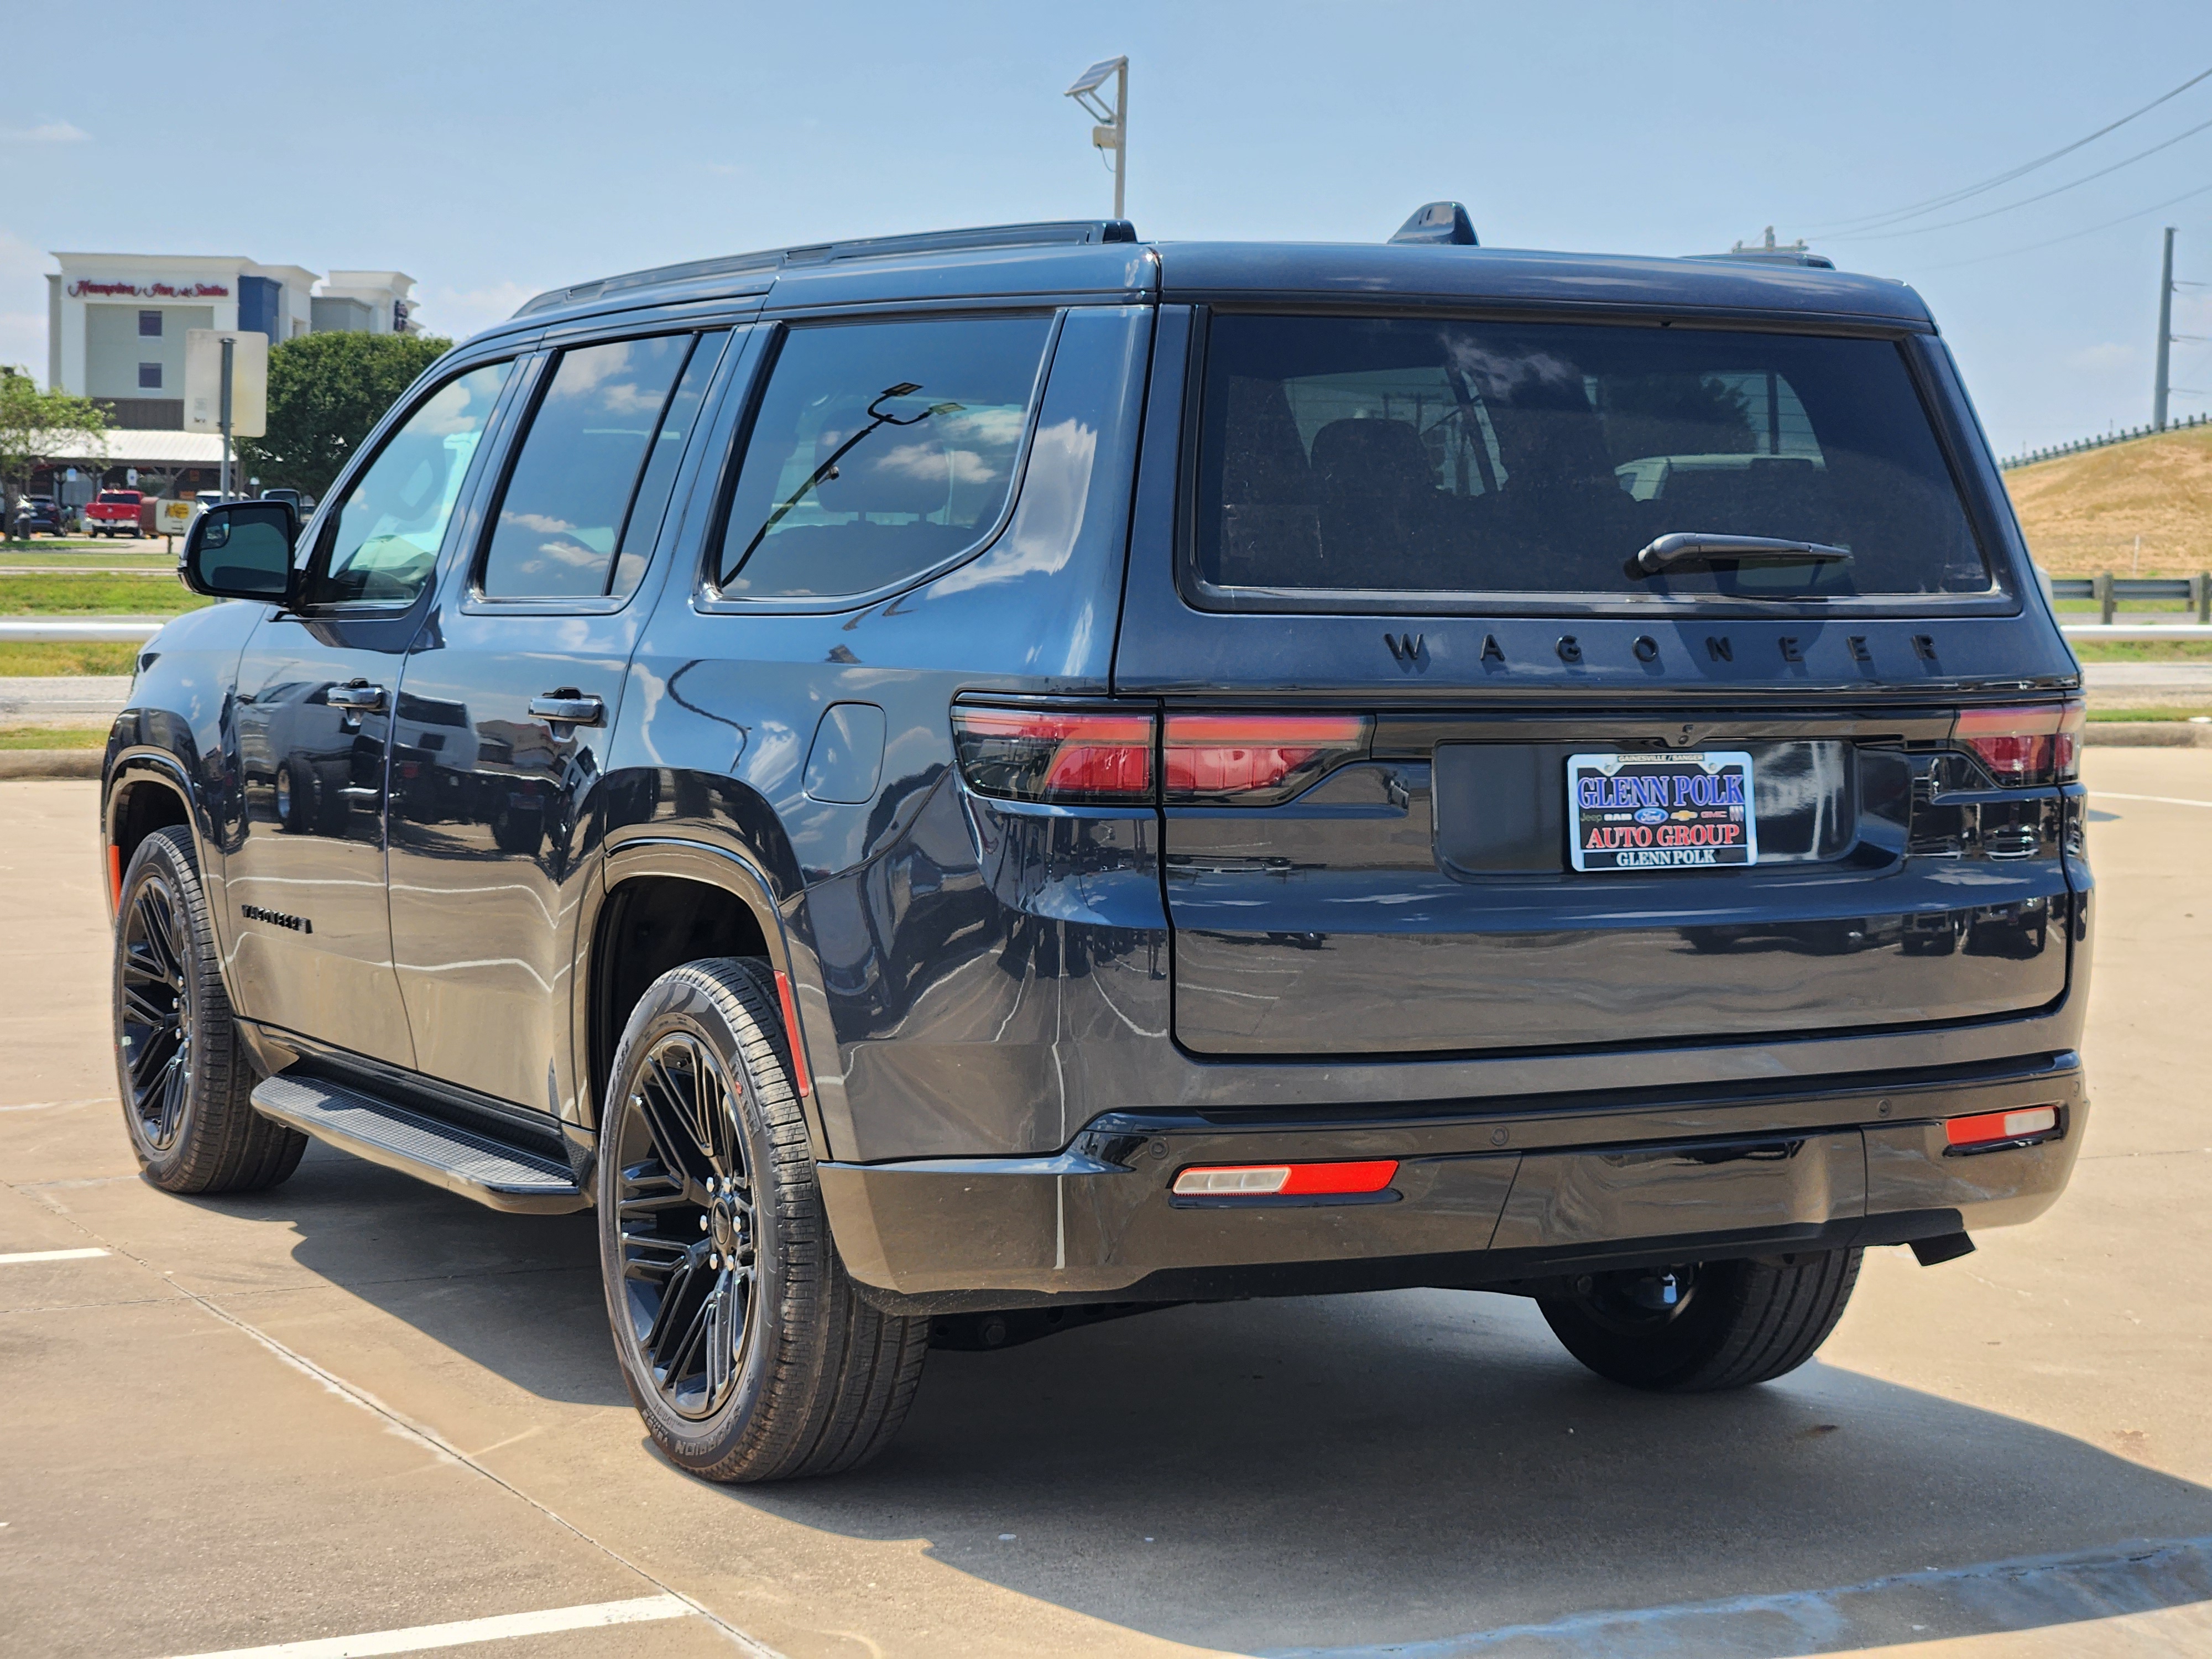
{"x": 1044, "y": 233}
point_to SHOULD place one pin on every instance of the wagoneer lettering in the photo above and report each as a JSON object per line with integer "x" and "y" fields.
{"x": 867, "y": 768}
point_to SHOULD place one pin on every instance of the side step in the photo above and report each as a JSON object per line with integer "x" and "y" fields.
{"x": 505, "y": 1178}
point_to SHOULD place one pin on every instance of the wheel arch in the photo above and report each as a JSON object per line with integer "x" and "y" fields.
{"x": 667, "y": 900}
{"x": 147, "y": 789}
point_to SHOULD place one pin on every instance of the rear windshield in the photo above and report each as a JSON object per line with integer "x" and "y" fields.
{"x": 1409, "y": 455}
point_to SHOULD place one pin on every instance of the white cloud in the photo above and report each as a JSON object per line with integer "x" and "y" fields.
{"x": 46, "y": 132}
{"x": 459, "y": 313}
{"x": 2097, "y": 358}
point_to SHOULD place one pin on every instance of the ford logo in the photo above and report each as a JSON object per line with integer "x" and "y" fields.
{"x": 1651, "y": 815}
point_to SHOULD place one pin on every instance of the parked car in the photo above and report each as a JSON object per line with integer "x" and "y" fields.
{"x": 35, "y": 513}
{"x": 302, "y": 504}
{"x": 950, "y": 787}
{"x": 114, "y": 513}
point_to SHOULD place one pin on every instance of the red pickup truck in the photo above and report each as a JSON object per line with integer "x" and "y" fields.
{"x": 114, "y": 513}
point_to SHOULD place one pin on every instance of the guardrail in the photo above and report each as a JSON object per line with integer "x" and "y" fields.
{"x": 2029, "y": 457}
{"x": 80, "y": 630}
{"x": 2110, "y": 592}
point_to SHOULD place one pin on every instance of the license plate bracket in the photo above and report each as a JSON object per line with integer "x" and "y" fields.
{"x": 1692, "y": 809}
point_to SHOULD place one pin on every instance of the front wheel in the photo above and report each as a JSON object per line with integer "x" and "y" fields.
{"x": 743, "y": 1345}
{"x": 1697, "y": 1327}
{"x": 183, "y": 1073}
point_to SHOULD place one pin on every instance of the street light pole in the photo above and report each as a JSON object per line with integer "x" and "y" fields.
{"x": 228, "y": 345}
{"x": 1111, "y": 131}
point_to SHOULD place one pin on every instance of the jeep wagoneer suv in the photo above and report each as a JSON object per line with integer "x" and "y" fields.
{"x": 952, "y": 786}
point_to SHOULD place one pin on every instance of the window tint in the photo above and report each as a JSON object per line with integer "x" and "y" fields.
{"x": 880, "y": 450}
{"x": 384, "y": 544}
{"x": 561, "y": 514}
{"x": 1386, "y": 454}
{"x": 660, "y": 475}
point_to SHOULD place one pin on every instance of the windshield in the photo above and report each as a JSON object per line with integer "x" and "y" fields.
{"x": 1386, "y": 454}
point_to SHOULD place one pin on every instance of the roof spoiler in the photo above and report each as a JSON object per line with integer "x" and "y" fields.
{"x": 1438, "y": 222}
{"x": 1042, "y": 233}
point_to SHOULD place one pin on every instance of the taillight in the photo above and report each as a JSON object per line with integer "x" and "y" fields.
{"x": 2034, "y": 744}
{"x": 1255, "y": 760}
{"x": 1078, "y": 756}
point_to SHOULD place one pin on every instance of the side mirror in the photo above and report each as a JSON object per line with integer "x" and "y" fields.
{"x": 241, "y": 550}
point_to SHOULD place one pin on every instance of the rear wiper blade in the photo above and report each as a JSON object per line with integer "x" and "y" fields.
{"x": 1697, "y": 547}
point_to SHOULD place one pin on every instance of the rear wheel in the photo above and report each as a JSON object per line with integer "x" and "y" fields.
{"x": 1697, "y": 1327}
{"x": 183, "y": 1074}
{"x": 743, "y": 1342}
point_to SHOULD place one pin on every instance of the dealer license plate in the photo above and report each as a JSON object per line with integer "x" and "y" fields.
{"x": 1653, "y": 811}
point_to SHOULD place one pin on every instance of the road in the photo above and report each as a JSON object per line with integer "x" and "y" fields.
{"x": 357, "y": 1405}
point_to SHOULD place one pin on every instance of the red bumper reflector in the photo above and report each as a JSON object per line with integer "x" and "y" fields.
{"x": 801, "y": 1077}
{"x": 115, "y": 874}
{"x": 1986, "y": 1128}
{"x": 1286, "y": 1180}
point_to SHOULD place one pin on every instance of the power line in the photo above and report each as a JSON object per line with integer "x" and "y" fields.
{"x": 2071, "y": 235}
{"x": 1878, "y": 221}
{"x": 2056, "y": 190}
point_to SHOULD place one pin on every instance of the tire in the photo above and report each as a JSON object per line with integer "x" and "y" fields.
{"x": 744, "y": 1346}
{"x": 183, "y": 1074}
{"x": 1731, "y": 1324}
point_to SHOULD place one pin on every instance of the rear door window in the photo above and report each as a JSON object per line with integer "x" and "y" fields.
{"x": 879, "y": 452}
{"x": 584, "y": 499}
{"x": 1399, "y": 455}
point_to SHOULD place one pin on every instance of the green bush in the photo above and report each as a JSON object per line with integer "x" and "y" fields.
{"x": 325, "y": 392}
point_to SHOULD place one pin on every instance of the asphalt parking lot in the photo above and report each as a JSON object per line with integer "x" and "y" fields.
{"x": 354, "y": 1405}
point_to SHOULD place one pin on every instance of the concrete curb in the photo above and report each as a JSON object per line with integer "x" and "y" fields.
{"x": 20, "y": 763}
{"x": 2146, "y": 734}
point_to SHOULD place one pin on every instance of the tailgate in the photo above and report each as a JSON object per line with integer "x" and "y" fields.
{"x": 1422, "y": 898}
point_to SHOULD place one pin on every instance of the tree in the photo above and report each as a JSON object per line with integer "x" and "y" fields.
{"x": 36, "y": 424}
{"x": 325, "y": 392}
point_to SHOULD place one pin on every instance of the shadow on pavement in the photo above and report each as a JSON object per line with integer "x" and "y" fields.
{"x": 1423, "y": 1467}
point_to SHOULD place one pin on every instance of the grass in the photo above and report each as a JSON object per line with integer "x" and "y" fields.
{"x": 44, "y": 560}
{"x": 51, "y": 736}
{"x": 2142, "y": 650}
{"x": 2082, "y": 514}
{"x": 2151, "y": 714}
{"x": 76, "y": 593}
{"x": 26, "y": 659}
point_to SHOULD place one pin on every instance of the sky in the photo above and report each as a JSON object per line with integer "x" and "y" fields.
{"x": 492, "y": 151}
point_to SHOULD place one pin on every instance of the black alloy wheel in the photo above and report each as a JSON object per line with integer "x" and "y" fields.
{"x": 154, "y": 1011}
{"x": 684, "y": 1204}
{"x": 744, "y": 1346}
{"x": 182, "y": 1069}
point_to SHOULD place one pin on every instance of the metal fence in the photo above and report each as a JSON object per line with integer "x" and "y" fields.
{"x": 2111, "y": 592}
{"x": 2027, "y": 457}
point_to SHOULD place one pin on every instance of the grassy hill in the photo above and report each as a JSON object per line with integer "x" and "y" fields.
{"x": 2082, "y": 513}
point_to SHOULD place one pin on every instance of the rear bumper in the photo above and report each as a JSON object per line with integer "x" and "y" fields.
{"x": 1478, "y": 1199}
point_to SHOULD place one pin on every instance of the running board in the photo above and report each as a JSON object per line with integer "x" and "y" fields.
{"x": 492, "y": 1172}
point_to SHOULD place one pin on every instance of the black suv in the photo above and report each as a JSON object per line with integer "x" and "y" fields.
{"x": 956, "y": 786}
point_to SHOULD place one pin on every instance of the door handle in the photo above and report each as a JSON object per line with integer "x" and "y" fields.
{"x": 568, "y": 707}
{"x": 356, "y": 697}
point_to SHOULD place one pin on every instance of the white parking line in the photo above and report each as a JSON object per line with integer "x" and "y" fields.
{"x": 643, "y": 1610}
{"x": 48, "y": 1256}
{"x": 2163, "y": 800}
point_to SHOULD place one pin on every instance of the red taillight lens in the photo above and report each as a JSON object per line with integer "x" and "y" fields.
{"x": 1287, "y": 1180}
{"x": 1255, "y": 760}
{"x": 2039, "y": 743}
{"x": 1998, "y": 1128}
{"x": 1022, "y": 754}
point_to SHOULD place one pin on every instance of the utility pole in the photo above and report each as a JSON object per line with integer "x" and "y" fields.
{"x": 1112, "y": 131}
{"x": 2165, "y": 335}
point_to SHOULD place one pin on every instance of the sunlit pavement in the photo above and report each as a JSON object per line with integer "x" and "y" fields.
{"x": 355, "y": 1405}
